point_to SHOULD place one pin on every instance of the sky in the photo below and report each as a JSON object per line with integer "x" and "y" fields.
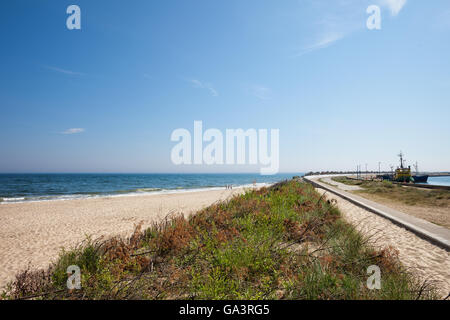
{"x": 107, "y": 98}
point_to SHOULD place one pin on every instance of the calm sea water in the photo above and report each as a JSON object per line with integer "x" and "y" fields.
{"x": 440, "y": 181}
{"x": 44, "y": 187}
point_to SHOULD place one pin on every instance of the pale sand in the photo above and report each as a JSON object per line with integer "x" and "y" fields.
{"x": 424, "y": 259}
{"x": 33, "y": 233}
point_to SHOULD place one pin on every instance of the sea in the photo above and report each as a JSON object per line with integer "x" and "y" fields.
{"x": 439, "y": 181}
{"x": 16, "y": 188}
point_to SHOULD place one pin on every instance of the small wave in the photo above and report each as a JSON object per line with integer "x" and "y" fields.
{"x": 130, "y": 191}
{"x": 42, "y": 198}
{"x": 12, "y": 199}
{"x": 148, "y": 189}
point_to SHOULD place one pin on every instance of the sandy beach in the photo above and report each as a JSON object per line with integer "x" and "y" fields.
{"x": 33, "y": 233}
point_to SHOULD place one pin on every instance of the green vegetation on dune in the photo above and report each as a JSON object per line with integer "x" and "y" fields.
{"x": 283, "y": 242}
{"x": 403, "y": 194}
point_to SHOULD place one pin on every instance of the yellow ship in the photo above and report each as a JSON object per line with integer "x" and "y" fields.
{"x": 403, "y": 174}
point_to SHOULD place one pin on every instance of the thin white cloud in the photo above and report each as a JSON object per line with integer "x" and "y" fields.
{"x": 394, "y": 6}
{"x": 332, "y": 22}
{"x": 68, "y": 72}
{"x": 338, "y": 19}
{"x": 73, "y": 131}
{"x": 203, "y": 85}
{"x": 325, "y": 41}
{"x": 261, "y": 92}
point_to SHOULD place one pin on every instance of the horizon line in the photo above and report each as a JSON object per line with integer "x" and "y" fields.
{"x": 285, "y": 172}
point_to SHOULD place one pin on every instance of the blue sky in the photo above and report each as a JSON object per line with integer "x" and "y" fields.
{"x": 106, "y": 98}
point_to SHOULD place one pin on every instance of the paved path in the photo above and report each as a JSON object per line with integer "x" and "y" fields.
{"x": 341, "y": 186}
{"x": 436, "y": 234}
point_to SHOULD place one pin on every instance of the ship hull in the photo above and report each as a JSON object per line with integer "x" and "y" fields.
{"x": 420, "y": 179}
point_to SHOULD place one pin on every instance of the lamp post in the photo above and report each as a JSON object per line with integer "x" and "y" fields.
{"x": 366, "y": 170}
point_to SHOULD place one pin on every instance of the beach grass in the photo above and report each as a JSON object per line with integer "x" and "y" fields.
{"x": 402, "y": 194}
{"x": 282, "y": 242}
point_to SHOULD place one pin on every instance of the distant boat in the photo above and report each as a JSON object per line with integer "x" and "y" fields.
{"x": 403, "y": 173}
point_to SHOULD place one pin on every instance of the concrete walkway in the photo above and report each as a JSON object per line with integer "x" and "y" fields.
{"x": 341, "y": 186}
{"x": 435, "y": 234}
